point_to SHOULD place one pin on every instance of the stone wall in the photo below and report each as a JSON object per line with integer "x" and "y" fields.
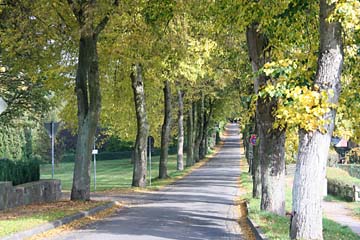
{"x": 352, "y": 169}
{"x": 29, "y": 193}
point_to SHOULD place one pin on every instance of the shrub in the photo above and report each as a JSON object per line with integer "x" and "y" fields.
{"x": 19, "y": 172}
{"x": 340, "y": 176}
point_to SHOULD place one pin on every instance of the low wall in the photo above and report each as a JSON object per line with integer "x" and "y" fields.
{"x": 352, "y": 169}
{"x": 347, "y": 192}
{"x": 29, "y": 193}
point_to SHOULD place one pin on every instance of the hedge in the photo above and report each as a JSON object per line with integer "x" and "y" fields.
{"x": 19, "y": 172}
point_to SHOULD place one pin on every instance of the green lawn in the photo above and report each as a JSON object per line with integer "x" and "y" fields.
{"x": 112, "y": 174}
{"x": 277, "y": 227}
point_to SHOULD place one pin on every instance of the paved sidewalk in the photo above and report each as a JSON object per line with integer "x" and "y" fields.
{"x": 338, "y": 212}
{"x": 200, "y": 206}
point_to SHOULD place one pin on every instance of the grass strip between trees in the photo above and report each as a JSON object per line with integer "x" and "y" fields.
{"x": 277, "y": 227}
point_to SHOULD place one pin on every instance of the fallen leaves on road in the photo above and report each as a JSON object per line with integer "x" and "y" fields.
{"x": 77, "y": 223}
{"x": 28, "y": 210}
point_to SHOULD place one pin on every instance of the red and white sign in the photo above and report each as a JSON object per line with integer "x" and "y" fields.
{"x": 253, "y": 139}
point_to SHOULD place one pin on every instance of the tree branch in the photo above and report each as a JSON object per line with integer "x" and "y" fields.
{"x": 106, "y": 19}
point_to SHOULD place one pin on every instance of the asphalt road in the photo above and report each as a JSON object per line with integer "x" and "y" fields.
{"x": 200, "y": 206}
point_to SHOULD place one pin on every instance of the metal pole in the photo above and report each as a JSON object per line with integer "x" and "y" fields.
{"x": 94, "y": 168}
{"x": 52, "y": 149}
{"x": 150, "y": 160}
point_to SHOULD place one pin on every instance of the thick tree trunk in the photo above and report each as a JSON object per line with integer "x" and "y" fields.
{"x": 199, "y": 128}
{"x": 314, "y": 146}
{"x": 165, "y": 132}
{"x": 271, "y": 142}
{"x": 87, "y": 90}
{"x": 272, "y": 159}
{"x": 140, "y": 157}
{"x": 180, "y": 150}
{"x": 189, "y": 139}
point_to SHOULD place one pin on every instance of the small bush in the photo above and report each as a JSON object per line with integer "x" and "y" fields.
{"x": 19, "y": 172}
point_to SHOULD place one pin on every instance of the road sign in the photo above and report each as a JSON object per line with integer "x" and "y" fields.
{"x": 51, "y": 127}
{"x": 95, "y": 151}
{"x": 253, "y": 139}
{"x": 151, "y": 142}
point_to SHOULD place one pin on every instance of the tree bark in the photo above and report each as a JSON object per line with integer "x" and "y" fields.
{"x": 88, "y": 95}
{"x": 271, "y": 141}
{"x": 189, "y": 139}
{"x": 165, "y": 132}
{"x": 140, "y": 153}
{"x": 256, "y": 171}
{"x": 199, "y": 128}
{"x": 204, "y": 141}
{"x": 272, "y": 159}
{"x": 180, "y": 150}
{"x": 314, "y": 146}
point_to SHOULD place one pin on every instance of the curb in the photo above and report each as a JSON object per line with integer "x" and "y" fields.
{"x": 256, "y": 229}
{"x": 57, "y": 223}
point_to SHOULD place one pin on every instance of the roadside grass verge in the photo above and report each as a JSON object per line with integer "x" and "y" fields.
{"x": 26, "y": 217}
{"x": 277, "y": 227}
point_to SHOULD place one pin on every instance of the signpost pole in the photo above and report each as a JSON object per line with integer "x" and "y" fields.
{"x": 52, "y": 150}
{"x": 94, "y": 167}
{"x": 149, "y": 140}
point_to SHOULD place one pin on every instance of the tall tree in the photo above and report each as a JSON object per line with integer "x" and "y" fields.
{"x": 208, "y": 112}
{"x": 199, "y": 124}
{"x": 180, "y": 148}
{"x": 189, "y": 138}
{"x": 140, "y": 157}
{"x": 87, "y": 90}
{"x": 271, "y": 149}
{"x": 165, "y": 131}
{"x": 314, "y": 145}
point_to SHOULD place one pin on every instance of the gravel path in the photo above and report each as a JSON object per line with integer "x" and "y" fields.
{"x": 200, "y": 206}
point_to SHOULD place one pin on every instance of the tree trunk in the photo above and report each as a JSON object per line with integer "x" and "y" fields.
{"x": 314, "y": 146}
{"x": 256, "y": 171}
{"x": 87, "y": 90}
{"x": 199, "y": 128}
{"x": 180, "y": 150}
{"x": 189, "y": 139}
{"x": 204, "y": 141}
{"x": 165, "y": 132}
{"x": 271, "y": 141}
{"x": 140, "y": 157}
{"x": 272, "y": 159}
